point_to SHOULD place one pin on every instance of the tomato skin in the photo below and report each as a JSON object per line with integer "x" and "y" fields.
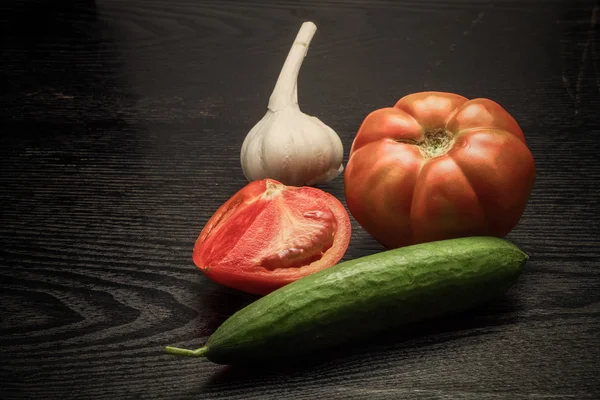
{"x": 401, "y": 194}
{"x": 268, "y": 235}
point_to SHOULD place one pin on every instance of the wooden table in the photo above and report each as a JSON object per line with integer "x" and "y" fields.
{"x": 122, "y": 123}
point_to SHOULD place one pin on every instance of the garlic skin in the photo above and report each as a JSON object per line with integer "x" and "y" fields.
{"x": 287, "y": 145}
{"x": 292, "y": 148}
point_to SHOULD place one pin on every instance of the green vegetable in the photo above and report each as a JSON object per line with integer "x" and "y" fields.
{"x": 367, "y": 295}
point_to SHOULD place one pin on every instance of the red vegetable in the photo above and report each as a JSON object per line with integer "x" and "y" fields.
{"x": 438, "y": 166}
{"x": 268, "y": 235}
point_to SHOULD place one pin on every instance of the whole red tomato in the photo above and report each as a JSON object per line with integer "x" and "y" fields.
{"x": 438, "y": 166}
{"x": 268, "y": 235}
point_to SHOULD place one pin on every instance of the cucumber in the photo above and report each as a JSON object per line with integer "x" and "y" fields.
{"x": 367, "y": 295}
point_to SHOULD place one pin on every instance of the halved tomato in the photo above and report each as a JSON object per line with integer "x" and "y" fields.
{"x": 268, "y": 235}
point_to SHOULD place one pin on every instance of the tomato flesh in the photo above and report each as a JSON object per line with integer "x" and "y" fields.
{"x": 268, "y": 235}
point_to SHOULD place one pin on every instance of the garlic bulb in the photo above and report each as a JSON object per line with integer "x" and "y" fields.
{"x": 286, "y": 144}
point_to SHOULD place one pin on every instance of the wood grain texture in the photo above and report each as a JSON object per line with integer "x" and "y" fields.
{"x": 122, "y": 124}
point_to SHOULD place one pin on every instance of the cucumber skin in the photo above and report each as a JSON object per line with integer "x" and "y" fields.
{"x": 367, "y": 295}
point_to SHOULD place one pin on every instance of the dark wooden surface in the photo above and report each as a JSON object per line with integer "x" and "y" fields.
{"x": 122, "y": 123}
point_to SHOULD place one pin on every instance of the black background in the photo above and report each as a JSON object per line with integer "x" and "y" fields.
{"x": 122, "y": 123}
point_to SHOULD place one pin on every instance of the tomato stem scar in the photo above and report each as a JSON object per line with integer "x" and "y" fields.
{"x": 437, "y": 142}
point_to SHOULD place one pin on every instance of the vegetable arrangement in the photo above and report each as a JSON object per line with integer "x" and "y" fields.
{"x": 437, "y": 179}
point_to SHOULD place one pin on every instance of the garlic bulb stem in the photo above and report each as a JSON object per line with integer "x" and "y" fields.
{"x": 285, "y": 93}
